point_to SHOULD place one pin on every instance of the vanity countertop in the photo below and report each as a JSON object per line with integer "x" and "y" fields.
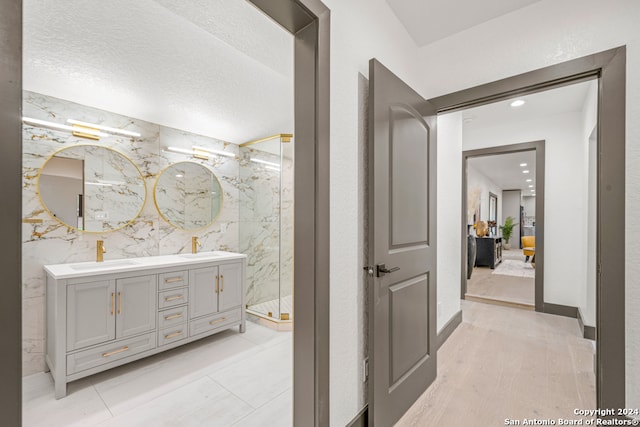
{"x": 92, "y": 268}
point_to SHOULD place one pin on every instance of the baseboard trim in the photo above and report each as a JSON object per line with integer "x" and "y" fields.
{"x": 560, "y": 310}
{"x": 362, "y": 419}
{"x": 448, "y": 329}
{"x": 588, "y": 332}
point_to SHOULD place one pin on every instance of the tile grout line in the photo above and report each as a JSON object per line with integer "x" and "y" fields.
{"x": 233, "y": 394}
{"x": 288, "y": 390}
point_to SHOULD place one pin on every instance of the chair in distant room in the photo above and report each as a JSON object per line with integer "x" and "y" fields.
{"x": 528, "y": 247}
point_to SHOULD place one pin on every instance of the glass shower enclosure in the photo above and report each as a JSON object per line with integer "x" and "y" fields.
{"x": 266, "y": 226}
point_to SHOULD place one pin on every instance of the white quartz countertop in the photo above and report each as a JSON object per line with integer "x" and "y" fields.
{"x": 84, "y": 269}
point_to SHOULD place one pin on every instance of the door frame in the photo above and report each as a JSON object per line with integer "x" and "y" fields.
{"x": 609, "y": 67}
{"x": 309, "y": 22}
{"x": 538, "y": 147}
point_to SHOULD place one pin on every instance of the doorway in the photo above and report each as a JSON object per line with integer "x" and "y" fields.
{"x": 609, "y": 68}
{"x": 504, "y": 274}
{"x": 308, "y": 20}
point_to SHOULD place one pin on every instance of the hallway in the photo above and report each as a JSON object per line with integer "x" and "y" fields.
{"x": 504, "y": 362}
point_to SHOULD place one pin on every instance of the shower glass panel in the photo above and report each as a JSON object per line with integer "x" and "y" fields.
{"x": 266, "y": 227}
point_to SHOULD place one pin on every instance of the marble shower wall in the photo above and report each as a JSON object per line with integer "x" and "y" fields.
{"x": 51, "y": 242}
{"x": 266, "y": 224}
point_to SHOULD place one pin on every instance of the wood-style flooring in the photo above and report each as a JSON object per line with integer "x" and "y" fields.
{"x": 506, "y": 363}
{"x": 518, "y": 291}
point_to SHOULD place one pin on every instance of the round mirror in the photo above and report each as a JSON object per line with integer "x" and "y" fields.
{"x": 91, "y": 188}
{"x": 188, "y": 195}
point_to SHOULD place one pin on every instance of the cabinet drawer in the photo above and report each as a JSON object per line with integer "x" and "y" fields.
{"x": 173, "y": 297}
{"x": 216, "y": 321}
{"x": 91, "y": 358}
{"x": 170, "y": 335}
{"x": 175, "y": 279}
{"x": 172, "y": 317}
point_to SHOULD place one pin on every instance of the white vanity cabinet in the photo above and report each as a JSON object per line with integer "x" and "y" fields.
{"x": 100, "y": 311}
{"x": 100, "y": 317}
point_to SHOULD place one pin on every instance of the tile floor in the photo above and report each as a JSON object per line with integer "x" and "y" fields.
{"x": 229, "y": 379}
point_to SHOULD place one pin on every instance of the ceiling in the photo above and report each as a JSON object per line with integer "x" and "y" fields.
{"x": 431, "y": 20}
{"x": 217, "y": 68}
{"x": 504, "y": 169}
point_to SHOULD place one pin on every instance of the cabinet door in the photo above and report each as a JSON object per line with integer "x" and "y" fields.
{"x": 203, "y": 295}
{"x": 231, "y": 288}
{"x": 136, "y": 305}
{"x": 90, "y": 313}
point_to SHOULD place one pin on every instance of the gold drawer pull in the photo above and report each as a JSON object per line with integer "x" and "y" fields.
{"x": 173, "y": 335}
{"x": 177, "y": 297}
{"x": 120, "y": 350}
{"x": 173, "y": 280}
{"x": 217, "y": 282}
{"x": 213, "y": 322}
{"x": 119, "y": 302}
{"x": 222, "y": 286}
{"x": 173, "y": 316}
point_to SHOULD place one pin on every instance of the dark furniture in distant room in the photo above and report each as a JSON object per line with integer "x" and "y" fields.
{"x": 488, "y": 251}
{"x": 471, "y": 255}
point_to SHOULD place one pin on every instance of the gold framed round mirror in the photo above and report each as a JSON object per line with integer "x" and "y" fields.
{"x": 188, "y": 195}
{"x": 91, "y": 188}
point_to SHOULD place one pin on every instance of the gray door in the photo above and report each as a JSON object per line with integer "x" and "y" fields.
{"x": 91, "y": 311}
{"x": 204, "y": 285}
{"x": 230, "y": 294}
{"x": 136, "y": 308}
{"x": 402, "y": 224}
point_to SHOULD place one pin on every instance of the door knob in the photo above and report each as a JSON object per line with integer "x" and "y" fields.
{"x": 381, "y": 270}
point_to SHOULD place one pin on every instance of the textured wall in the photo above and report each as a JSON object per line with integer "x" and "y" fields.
{"x": 53, "y": 243}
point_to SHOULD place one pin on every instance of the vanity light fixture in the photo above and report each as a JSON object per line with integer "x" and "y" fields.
{"x": 523, "y": 165}
{"x": 101, "y": 184}
{"x": 212, "y": 151}
{"x": 190, "y": 152}
{"x": 531, "y": 186}
{"x": 529, "y": 180}
{"x": 518, "y": 103}
{"x": 179, "y": 175}
{"x": 84, "y": 132}
{"x": 264, "y": 162}
{"x": 101, "y": 127}
{"x": 525, "y": 171}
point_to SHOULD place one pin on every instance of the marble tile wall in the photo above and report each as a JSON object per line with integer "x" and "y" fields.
{"x": 266, "y": 224}
{"x": 51, "y": 242}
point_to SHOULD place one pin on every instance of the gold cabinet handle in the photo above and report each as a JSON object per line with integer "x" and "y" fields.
{"x": 113, "y": 302}
{"x": 222, "y": 286}
{"x": 173, "y": 316}
{"x": 120, "y": 350}
{"x": 173, "y": 335}
{"x": 217, "y": 282}
{"x": 119, "y": 302}
{"x": 173, "y": 280}
{"x": 213, "y": 322}
{"x": 174, "y": 298}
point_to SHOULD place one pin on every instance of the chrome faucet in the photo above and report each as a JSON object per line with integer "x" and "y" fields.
{"x": 195, "y": 244}
{"x": 100, "y": 251}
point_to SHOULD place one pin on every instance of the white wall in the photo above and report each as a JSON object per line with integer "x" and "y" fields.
{"x": 545, "y": 33}
{"x": 360, "y": 30}
{"x": 449, "y": 206}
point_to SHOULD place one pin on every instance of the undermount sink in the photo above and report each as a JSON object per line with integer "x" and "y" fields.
{"x": 212, "y": 254}
{"x": 105, "y": 264}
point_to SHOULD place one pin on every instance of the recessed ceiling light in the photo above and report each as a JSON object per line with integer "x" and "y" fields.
{"x": 525, "y": 171}
{"x": 529, "y": 180}
{"x": 533, "y": 190}
{"x": 523, "y": 164}
{"x": 531, "y": 186}
{"x": 517, "y": 103}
